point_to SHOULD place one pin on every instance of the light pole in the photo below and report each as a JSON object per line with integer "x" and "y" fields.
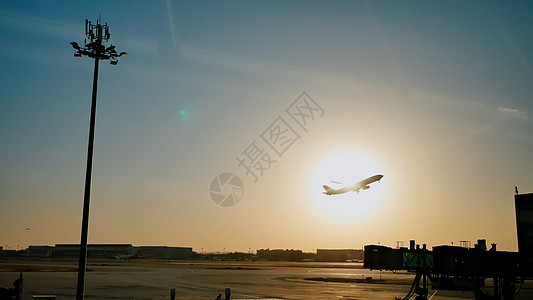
{"x": 98, "y": 35}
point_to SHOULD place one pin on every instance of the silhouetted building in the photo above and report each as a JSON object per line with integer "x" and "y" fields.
{"x": 280, "y": 254}
{"x": 12, "y": 253}
{"x": 524, "y": 228}
{"x": 339, "y": 254}
{"x": 164, "y": 252}
{"x": 93, "y": 250}
{"x": 41, "y": 251}
{"x": 111, "y": 251}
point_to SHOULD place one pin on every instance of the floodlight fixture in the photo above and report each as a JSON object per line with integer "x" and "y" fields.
{"x": 97, "y": 34}
{"x": 75, "y": 45}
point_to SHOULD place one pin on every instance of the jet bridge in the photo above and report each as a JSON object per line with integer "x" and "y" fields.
{"x": 463, "y": 268}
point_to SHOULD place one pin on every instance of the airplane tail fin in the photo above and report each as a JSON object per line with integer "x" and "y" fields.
{"x": 327, "y": 188}
{"x": 135, "y": 256}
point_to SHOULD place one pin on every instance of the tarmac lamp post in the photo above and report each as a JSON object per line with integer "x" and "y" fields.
{"x": 98, "y": 35}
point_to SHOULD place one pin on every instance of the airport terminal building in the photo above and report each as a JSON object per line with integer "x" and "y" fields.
{"x": 111, "y": 251}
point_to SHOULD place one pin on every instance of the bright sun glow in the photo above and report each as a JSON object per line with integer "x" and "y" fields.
{"x": 347, "y": 167}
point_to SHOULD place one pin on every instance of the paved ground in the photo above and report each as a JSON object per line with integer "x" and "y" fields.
{"x": 141, "y": 279}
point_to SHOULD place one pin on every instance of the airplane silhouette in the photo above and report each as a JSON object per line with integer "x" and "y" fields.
{"x": 128, "y": 257}
{"x": 363, "y": 184}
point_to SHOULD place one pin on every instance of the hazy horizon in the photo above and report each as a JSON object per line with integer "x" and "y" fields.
{"x": 436, "y": 96}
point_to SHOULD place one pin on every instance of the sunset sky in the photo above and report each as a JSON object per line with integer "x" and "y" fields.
{"x": 434, "y": 95}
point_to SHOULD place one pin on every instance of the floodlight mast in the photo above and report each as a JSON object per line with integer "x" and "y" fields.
{"x": 97, "y": 34}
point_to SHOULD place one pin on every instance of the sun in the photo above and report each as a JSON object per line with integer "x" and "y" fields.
{"x": 347, "y": 168}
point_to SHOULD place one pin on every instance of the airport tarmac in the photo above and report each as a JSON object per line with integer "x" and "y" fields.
{"x": 148, "y": 279}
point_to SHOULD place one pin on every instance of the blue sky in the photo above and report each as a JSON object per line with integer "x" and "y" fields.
{"x": 434, "y": 95}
